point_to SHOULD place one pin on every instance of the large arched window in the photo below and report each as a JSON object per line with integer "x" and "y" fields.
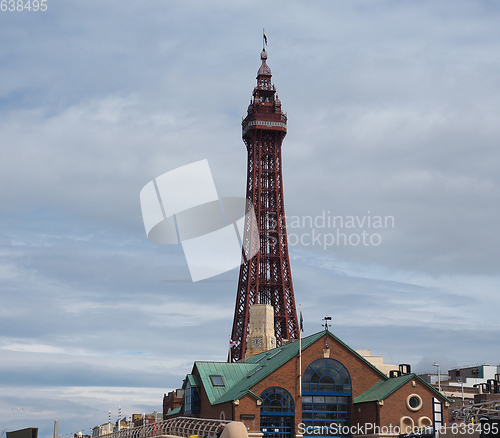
{"x": 326, "y": 399}
{"x": 277, "y": 399}
{"x": 277, "y": 413}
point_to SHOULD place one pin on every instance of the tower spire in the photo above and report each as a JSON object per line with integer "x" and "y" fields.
{"x": 266, "y": 277}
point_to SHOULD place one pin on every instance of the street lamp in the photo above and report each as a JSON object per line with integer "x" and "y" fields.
{"x": 439, "y": 375}
{"x": 463, "y": 395}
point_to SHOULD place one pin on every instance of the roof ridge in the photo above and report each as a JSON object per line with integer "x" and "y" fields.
{"x": 261, "y": 365}
{"x": 358, "y": 355}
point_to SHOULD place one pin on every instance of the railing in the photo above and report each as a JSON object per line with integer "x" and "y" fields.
{"x": 180, "y": 426}
{"x": 475, "y": 411}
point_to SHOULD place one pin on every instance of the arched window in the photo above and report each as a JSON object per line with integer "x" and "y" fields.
{"x": 277, "y": 399}
{"x": 277, "y": 413}
{"x": 326, "y": 399}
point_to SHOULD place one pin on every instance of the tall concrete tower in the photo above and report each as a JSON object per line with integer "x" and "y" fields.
{"x": 266, "y": 277}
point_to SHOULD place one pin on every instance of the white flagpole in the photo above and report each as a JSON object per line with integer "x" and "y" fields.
{"x": 300, "y": 354}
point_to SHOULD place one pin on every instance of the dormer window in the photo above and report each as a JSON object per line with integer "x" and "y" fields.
{"x": 192, "y": 401}
{"x": 217, "y": 380}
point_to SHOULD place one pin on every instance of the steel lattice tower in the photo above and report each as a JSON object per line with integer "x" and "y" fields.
{"x": 266, "y": 277}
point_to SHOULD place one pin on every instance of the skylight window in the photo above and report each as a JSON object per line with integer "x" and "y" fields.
{"x": 275, "y": 353}
{"x": 217, "y": 380}
{"x": 254, "y": 371}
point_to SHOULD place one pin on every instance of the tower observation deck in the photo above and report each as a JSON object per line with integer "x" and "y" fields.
{"x": 265, "y": 278}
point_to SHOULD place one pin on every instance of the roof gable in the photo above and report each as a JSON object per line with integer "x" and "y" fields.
{"x": 267, "y": 362}
{"x": 231, "y": 373}
{"x": 263, "y": 365}
{"x": 175, "y": 411}
{"x": 384, "y": 389}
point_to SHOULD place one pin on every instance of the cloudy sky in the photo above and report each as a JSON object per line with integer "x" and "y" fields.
{"x": 392, "y": 109}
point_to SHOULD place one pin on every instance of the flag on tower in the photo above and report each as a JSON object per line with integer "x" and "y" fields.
{"x": 231, "y": 345}
{"x": 301, "y": 322}
{"x": 265, "y": 37}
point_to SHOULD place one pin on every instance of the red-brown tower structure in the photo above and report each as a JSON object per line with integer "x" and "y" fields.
{"x": 265, "y": 278}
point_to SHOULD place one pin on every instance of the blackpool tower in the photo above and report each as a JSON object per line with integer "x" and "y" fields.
{"x": 266, "y": 277}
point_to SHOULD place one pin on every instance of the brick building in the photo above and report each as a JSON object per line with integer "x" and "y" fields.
{"x": 327, "y": 390}
{"x": 171, "y": 401}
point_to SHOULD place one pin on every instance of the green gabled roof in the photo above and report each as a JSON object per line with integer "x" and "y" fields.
{"x": 231, "y": 373}
{"x": 267, "y": 362}
{"x": 177, "y": 410}
{"x": 384, "y": 389}
{"x": 194, "y": 380}
{"x": 264, "y": 364}
{"x": 239, "y": 377}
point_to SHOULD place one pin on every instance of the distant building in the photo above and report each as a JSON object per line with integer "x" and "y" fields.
{"x": 102, "y": 429}
{"x": 145, "y": 419}
{"x": 172, "y": 401}
{"x": 468, "y": 385}
{"x": 30, "y": 432}
{"x": 123, "y": 424}
{"x": 377, "y": 361}
{"x": 475, "y": 375}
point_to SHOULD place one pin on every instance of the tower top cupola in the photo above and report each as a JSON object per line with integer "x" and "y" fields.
{"x": 264, "y": 111}
{"x": 264, "y": 69}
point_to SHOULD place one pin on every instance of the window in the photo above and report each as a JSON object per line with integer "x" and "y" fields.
{"x": 414, "y": 402}
{"x": 255, "y": 371}
{"x": 192, "y": 402}
{"x": 277, "y": 413}
{"x": 326, "y": 400}
{"x": 277, "y": 399}
{"x": 217, "y": 380}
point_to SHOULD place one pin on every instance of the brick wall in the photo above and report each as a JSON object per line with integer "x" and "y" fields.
{"x": 395, "y": 405}
{"x": 362, "y": 375}
{"x": 214, "y": 412}
{"x": 248, "y": 406}
{"x": 364, "y": 413}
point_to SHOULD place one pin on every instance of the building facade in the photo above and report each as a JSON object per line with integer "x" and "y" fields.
{"x": 317, "y": 386}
